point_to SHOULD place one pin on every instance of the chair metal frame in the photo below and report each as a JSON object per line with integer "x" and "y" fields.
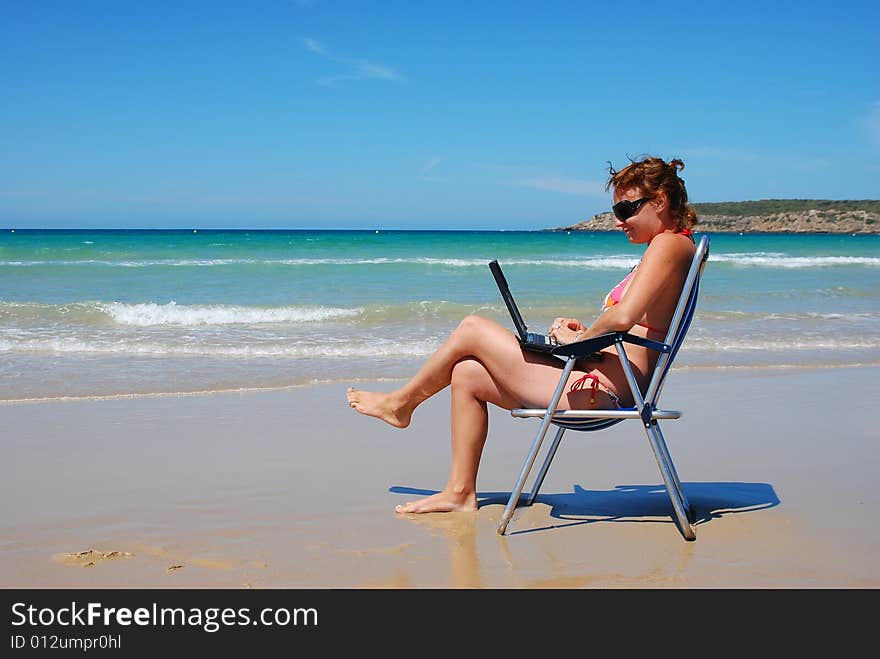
{"x": 644, "y": 410}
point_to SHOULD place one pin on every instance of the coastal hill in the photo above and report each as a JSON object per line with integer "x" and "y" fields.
{"x": 770, "y": 216}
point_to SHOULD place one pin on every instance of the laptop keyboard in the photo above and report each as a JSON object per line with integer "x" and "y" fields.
{"x": 540, "y": 339}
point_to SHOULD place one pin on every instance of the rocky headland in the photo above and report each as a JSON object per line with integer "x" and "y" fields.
{"x": 769, "y": 216}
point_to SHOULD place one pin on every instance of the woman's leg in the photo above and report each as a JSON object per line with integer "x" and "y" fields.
{"x": 484, "y": 364}
{"x": 528, "y": 378}
{"x": 475, "y": 337}
{"x": 472, "y": 389}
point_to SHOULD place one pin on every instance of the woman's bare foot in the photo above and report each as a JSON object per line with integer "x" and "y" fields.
{"x": 442, "y": 502}
{"x": 380, "y": 405}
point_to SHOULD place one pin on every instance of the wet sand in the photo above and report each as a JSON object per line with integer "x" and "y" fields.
{"x": 292, "y": 489}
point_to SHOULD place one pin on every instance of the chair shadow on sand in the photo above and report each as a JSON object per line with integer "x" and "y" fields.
{"x": 636, "y": 503}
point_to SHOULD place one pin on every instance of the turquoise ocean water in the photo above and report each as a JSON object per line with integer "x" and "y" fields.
{"x": 104, "y": 313}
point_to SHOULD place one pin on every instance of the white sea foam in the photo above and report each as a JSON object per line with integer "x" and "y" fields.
{"x": 310, "y": 349}
{"x": 372, "y": 349}
{"x": 137, "y": 264}
{"x": 732, "y": 316}
{"x": 608, "y": 262}
{"x": 765, "y": 260}
{"x": 779, "y": 260}
{"x": 90, "y": 316}
{"x": 150, "y": 314}
{"x": 782, "y": 345}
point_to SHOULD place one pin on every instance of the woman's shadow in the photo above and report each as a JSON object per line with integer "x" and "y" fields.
{"x": 636, "y": 503}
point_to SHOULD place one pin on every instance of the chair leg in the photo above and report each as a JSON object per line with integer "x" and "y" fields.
{"x": 539, "y": 479}
{"x": 680, "y": 504}
{"x": 536, "y": 446}
{"x": 676, "y": 481}
{"x": 524, "y": 474}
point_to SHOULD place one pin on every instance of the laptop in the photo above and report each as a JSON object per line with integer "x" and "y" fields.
{"x": 528, "y": 340}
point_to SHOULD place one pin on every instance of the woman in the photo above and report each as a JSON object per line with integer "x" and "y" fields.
{"x": 484, "y": 363}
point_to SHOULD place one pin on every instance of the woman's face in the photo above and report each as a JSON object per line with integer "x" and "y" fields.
{"x": 643, "y": 224}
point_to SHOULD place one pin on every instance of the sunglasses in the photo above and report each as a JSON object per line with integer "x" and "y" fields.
{"x": 623, "y": 210}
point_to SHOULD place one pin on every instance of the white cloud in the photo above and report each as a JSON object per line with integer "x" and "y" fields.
{"x": 431, "y": 164}
{"x": 353, "y": 69}
{"x": 314, "y": 46}
{"x": 742, "y": 156}
{"x": 368, "y": 70}
{"x": 566, "y": 186}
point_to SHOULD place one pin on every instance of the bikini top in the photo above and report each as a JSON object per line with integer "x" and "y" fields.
{"x": 615, "y": 295}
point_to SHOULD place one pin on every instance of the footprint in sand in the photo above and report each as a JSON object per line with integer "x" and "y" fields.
{"x": 89, "y": 557}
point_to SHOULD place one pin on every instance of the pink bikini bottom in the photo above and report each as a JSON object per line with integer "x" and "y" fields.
{"x": 595, "y": 386}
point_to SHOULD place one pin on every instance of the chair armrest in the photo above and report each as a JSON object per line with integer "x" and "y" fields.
{"x": 597, "y": 343}
{"x": 659, "y": 346}
{"x": 587, "y": 346}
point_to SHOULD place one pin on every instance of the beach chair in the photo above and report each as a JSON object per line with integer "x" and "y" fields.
{"x": 645, "y": 411}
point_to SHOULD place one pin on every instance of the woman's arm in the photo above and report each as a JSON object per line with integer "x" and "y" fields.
{"x": 653, "y": 291}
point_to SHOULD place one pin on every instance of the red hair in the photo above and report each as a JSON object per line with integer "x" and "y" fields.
{"x": 652, "y": 175}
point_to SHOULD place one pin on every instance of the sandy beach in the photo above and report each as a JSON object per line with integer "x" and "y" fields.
{"x": 292, "y": 489}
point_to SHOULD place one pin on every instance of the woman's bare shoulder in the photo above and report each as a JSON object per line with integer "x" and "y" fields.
{"x": 671, "y": 247}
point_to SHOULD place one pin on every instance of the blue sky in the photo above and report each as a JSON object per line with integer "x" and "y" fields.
{"x": 411, "y": 115}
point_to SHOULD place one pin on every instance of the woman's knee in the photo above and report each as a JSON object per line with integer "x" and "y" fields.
{"x": 473, "y": 331}
{"x": 470, "y": 374}
{"x": 471, "y": 324}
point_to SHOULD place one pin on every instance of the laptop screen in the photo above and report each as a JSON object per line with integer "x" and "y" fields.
{"x": 508, "y": 299}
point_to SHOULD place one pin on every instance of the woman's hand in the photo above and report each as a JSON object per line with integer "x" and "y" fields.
{"x": 566, "y": 330}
